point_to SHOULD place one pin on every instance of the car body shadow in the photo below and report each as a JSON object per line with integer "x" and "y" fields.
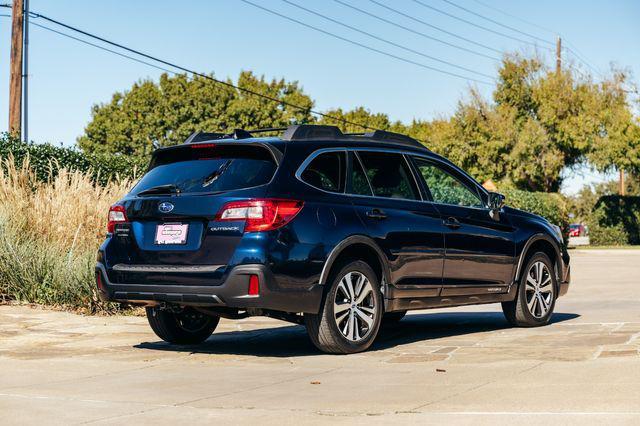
{"x": 292, "y": 340}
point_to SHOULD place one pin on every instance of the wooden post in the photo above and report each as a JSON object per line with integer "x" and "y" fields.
{"x": 15, "y": 84}
{"x": 558, "y": 55}
{"x": 622, "y": 191}
{"x": 25, "y": 75}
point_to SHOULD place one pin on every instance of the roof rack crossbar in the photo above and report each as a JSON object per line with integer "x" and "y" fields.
{"x": 207, "y": 136}
{"x": 268, "y": 129}
{"x": 311, "y": 131}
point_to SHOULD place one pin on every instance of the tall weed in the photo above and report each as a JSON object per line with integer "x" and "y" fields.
{"x": 49, "y": 233}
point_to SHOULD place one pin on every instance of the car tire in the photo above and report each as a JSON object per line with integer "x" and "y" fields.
{"x": 183, "y": 327}
{"x": 361, "y": 301}
{"x": 536, "y": 296}
{"x": 393, "y": 317}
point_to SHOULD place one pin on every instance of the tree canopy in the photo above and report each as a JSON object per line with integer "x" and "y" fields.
{"x": 537, "y": 124}
{"x": 167, "y": 112}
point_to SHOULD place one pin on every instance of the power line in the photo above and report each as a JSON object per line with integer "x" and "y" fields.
{"x": 496, "y": 22}
{"x": 364, "y": 46}
{"x": 474, "y": 24}
{"x": 571, "y": 49}
{"x": 516, "y": 17}
{"x": 411, "y": 30}
{"x": 385, "y": 40}
{"x": 103, "y": 48}
{"x": 187, "y": 70}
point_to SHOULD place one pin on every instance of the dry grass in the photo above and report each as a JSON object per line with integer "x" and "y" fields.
{"x": 68, "y": 212}
{"x": 49, "y": 234}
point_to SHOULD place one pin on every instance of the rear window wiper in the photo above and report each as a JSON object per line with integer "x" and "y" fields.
{"x": 160, "y": 189}
{"x": 215, "y": 175}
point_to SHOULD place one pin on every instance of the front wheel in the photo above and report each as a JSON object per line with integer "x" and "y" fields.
{"x": 536, "y": 296}
{"x": 350, "y": 314}
{"x": 185, "y": 326}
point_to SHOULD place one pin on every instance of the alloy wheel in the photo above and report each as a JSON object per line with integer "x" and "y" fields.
{"x": 539, "y": 289}
{"x": 354, "y": 306}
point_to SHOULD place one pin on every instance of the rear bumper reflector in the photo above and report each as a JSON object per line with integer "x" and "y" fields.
{"x": 254, "y": 285}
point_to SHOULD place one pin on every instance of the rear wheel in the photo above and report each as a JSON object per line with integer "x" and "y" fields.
{"x": 351, "y": 312}
{"x": 536, "y": 296}
{"x": 185, "y": 326}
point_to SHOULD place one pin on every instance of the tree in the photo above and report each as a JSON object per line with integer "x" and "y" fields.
{"x": 170, "y": 110}
{"x": 539, "y": 123}
{"x": 363, "y": 117}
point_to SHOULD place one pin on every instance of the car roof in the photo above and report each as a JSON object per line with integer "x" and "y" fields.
{"x": 305, "y": 133}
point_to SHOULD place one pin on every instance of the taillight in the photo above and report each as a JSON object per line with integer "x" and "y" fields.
{"x": 117, "y": 214}
{"x": 260, "y": 214}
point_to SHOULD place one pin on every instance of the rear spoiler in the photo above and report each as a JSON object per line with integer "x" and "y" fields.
{"x": 208, "y": 143}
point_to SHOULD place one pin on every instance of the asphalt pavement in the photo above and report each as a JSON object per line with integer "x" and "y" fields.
{"x": 456, "y": 366}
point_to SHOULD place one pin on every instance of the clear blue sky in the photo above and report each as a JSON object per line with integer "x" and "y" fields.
{"x": 227, "y": 36}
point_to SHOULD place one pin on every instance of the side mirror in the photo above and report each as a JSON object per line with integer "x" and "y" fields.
{"x": 496, "y": 202}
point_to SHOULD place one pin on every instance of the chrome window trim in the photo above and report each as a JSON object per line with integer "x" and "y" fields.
{"x": 312, "y": 157}
{"x": 388, "y": 151}
{"x": 402, "y": 152}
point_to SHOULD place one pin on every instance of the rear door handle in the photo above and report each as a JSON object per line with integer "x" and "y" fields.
{"x": 376, "y": 214}
{"x": 451, "y": 222}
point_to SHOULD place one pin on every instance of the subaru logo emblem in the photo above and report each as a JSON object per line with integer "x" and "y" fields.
{"x": 165, "y": 207}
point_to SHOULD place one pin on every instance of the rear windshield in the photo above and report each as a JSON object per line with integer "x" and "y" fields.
{"x": 207, "y": 168}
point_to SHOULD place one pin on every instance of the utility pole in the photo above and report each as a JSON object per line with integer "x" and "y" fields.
{"x": 15, "y": 84}
{"x": 25, "y": 75}
{"x": 558, "y": 55}
{"x": 622, "y": 182}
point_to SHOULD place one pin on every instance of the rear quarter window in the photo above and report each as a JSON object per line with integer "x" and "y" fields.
{"x": 326, "y": 171}
{"x": 209, "y": 168}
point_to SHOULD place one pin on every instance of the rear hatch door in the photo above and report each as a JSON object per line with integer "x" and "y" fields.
{"x": 172, "y": 235}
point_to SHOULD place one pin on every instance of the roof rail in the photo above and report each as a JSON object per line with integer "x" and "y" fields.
{"x": 309, "y": 131}
{"x": 382, "y": 135}
{"x": 300, "y": 132}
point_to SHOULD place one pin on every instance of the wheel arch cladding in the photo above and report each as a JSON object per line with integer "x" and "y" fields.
{"x": 540, "y": 243}
{"x": 356, "y": 248}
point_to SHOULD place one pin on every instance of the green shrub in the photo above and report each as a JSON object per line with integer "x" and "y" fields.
{"x": 47, "y": 159}
{"x": 34, "y": 271}
{"x": 615, "y": 221}
{"x": 550, "y": 205}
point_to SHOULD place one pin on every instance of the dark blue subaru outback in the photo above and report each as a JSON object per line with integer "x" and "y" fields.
{"x": 339, "y": 232}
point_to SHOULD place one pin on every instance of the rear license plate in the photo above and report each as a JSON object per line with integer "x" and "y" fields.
{"x": 172, "y": 233}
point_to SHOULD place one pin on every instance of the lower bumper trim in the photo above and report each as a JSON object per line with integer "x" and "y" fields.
{"x": 232, "y": 293}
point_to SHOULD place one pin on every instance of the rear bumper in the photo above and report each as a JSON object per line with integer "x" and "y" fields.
{"x": 231, "y": 293}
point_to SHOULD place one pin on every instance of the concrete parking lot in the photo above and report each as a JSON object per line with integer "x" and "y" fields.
{"x": 460, "y": 366}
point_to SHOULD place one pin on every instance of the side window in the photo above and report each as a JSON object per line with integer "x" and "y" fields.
{"x": 445, "y": 188}
{"x": 326, "y": 171}
{"x": 359, "y": 182}
{"x": 389, "y": 175}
